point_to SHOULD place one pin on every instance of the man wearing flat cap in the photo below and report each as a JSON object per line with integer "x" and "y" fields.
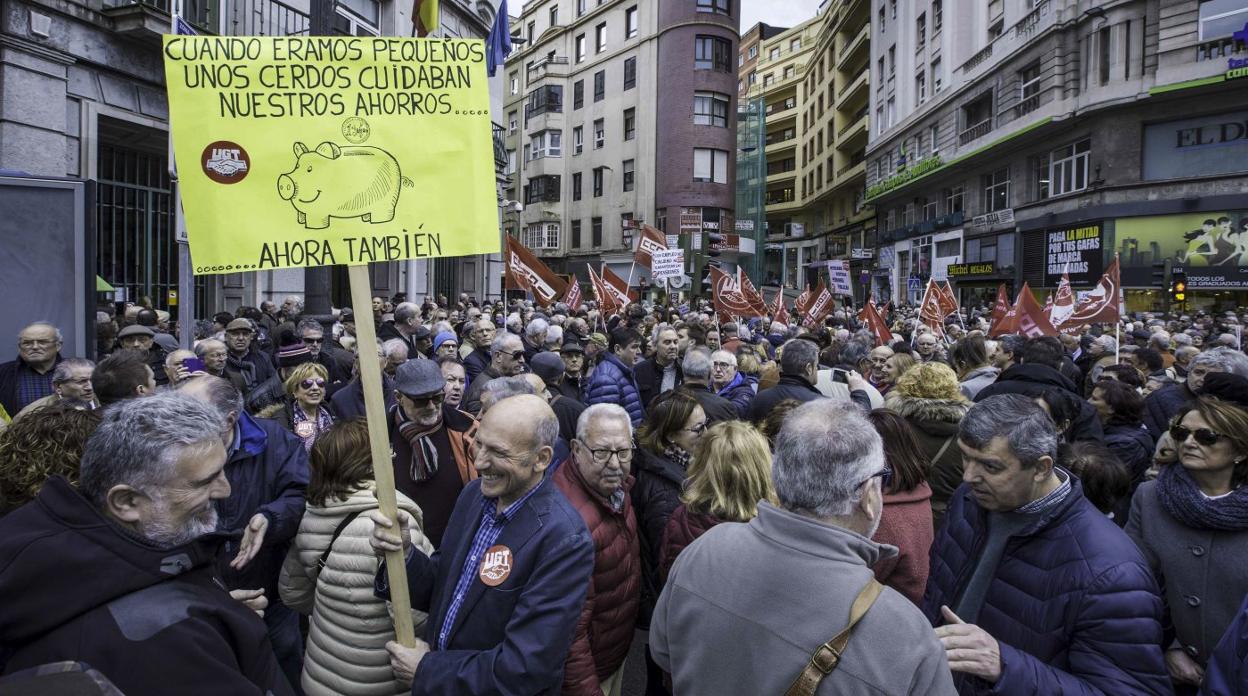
{"x": 431, "y": 444}
{"x": 244, "y": 364}
{"x": 142, "y": 339}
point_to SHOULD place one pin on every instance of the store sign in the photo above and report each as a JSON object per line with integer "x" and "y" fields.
{"x": 862, "y": 253}
{"x": 1210, "y": 247}
{"x": 900, "y": 179}
{"x": 957, "y": 270}
{"x": 732, "y": 242}
{"x": 1200, "y": 146}
{"x": 745, "y": 225}
{"x": 1238, "y": 67}
{"x": 886, "y": 257}
{"x": 997, "y": 217}
{"x": 1075, "y": 250}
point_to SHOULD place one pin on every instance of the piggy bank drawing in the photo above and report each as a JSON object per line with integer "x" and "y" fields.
{"x": 342, "y": 182}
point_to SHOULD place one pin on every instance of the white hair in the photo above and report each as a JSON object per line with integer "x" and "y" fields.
{"x": 599, "y": 412}
{"x": 823, "y": 454}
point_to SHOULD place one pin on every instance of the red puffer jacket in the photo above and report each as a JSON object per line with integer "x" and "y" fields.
{"x": 683, "y": 527}
{"x": 605, "y": 629}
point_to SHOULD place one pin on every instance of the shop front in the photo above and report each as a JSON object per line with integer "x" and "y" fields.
{"x": 924, "y": 258}
{"x": 975, "y": 284}
{"x": 1208, "y": 249}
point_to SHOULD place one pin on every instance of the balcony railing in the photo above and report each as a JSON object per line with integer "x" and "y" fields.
{"x": 781, "y": 138}
{"x": 1027, "y": 105}
{"x": 777, "y": 199}
{"x": 500, "y": 147}
{"x": 1030, "y": 22}
{"x": 202, "y": 14}
{"x": 978, "y": 130}
{"x": 1218, "y": 49}
{"x": 983, "y": 55}
{"x": 780, "y": 167}
{"x": 266, "y": 18}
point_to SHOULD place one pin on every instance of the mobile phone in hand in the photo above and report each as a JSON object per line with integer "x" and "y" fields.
{"x": 194, "y": 365}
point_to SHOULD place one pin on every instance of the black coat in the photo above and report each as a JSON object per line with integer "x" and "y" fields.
{"x": 251, "y": 370}
{"x": 1033, "y": 380}
{"x": 789, "y": 387}
{"x": 1162, "y": 405}
{"x": 655, "y": 495}
{"x": 650, "y": 379}
{"x": 476, "y": 363}
{"x": 154, "y": 621}
{"x": 348, "y": 403}
{"x": 716, "y": 407}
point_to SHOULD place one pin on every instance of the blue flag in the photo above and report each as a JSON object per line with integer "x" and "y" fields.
{"x": 181, "y": 26}
{"x": 498, "y": 43}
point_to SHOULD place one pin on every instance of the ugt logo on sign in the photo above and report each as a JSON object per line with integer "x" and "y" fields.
{"x": 225, "y": 162}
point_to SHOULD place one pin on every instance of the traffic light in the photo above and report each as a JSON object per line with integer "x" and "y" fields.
{"x": 714, "y": 243}
{"x": 1178, "y": 286}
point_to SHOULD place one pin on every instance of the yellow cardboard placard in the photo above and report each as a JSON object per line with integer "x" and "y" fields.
{"x": 312, "y": 151}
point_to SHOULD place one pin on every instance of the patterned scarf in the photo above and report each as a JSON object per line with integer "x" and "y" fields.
{"x": 308, "y": 429}
{"x": 676, "y": 455}
{"x": 1181, "y": 497}
{"x": 424, "y": 462}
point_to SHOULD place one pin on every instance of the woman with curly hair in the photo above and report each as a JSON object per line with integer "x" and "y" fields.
{"x": 929, "y": 397}
{"x": 44, "y": 443}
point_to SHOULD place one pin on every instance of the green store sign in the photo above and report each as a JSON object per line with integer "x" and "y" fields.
{"x": 902, "y": 178}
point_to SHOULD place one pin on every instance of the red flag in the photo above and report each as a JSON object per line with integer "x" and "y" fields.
{"x": 779, "y": 312}
{"x": 726, "y": 296}
{"x": 572, "y": 298}
{"x": 948, "y": 301}
{"x": 1029, "y": 316}
{"x": 930, "y": 312}
{"x": 803, "y": 301}
{"x": 871, "y": 317}
{"x": 1048, "y": 307}
{"x": 758, "y": 306}
{"x": 607, "y": 301}
{"x": 526, "y": 271}
{"x": 999, "y": 310}
{"x": 820, "y": 307}
{"x": 1102, "y": 305}
{"x": 650, "y": 241}
{"x": 619, "y": 286}
{"x": 1063, "y": 303}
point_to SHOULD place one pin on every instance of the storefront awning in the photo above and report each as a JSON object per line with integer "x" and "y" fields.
{"x": 102, "y": 285}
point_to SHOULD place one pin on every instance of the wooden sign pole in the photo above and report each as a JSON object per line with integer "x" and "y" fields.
{"x": 379, "y": 443}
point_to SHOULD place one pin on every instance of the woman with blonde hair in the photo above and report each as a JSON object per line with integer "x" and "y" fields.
{"x": 929, "y": 397}
{"x": 330, "y": 569}
{"x": 896, "y": 366}
{"x": 303, "y": 411}
{"x": 728, "y": 476}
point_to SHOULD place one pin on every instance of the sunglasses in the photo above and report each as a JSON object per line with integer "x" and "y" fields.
{"x": 1204, "y": 436}
{"x": 313, "y": 341}
{"x": 309, "y": 383}
{"x": 514, "y": 355}
{"x": 423, "y": 401}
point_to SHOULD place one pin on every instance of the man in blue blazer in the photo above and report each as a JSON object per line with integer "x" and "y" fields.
{"x": 506, "y": 587}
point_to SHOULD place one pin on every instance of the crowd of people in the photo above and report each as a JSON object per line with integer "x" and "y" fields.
{"x": 769, "y": 507}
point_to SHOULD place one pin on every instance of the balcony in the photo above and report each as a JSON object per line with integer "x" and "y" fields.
{"x": 855, "y": 93}
{"x": 150, "y": 18}
{"x": 782, "y": 109}
{"x": 974, "y": 61}
{"x": 855, "y": 49}
{"x": 500, "y": 147}
{"x": 1217, "y": 49}
{"x": 550, "y": 66}
{"x": 855, "y": 130}
{"x": 266, "y": 18}
{"x": 975, "y": 132}
{"x": 857, "y": 167}
{"x": 786, "y": 138}
{"x": 1027, "y": 106}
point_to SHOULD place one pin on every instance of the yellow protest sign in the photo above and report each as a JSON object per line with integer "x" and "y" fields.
{"x": 312, "y": 151}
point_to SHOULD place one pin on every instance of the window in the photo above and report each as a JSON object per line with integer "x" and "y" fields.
{"x": 997, "y": 190}
{"x": 892, "y": 5}
{"x": 795, "y": 44}
{"x": 920, "y": 32}
{"x": 892, "y": 60}
{"x": 597, "y": 182}
{"x": 883, "y": 21}
{"x": 626, "y": 230}
{"x": 768, "y": 79}
{"x": 542, "y": 188}
{"x": 600, "y": 85}
{"x": 512, "y": 121}
{"x": 576, "y": 234}
{"x": 528, "y": 154}
{"x": 938, "y": 16}
{"x": 546, "y": 99}
{"x": 578, "y": 140}
{"x": 630, "y": 73}
{"x": 1029, "y": 88}
{"x": 933, "y": 132}
{"x": 531, "y": 29}
{"x": 515, "y": 84}
{"x": 546, "y": 144}
{"x": 542, "y": 235}
{"x": 976, "y": 118}
{"x": 753, "y": 52}
{"x": 580, "y": 48}
{"x": 578, "y": 94}
{"x": 630, "y": 124}
{"x": 710, "y": 109}
{"x": 580, "y": 7}
{"x": 554, "y": 15}
{"x": 716, "y": 6}
{"x": 789, "y": 71}
{"x": 576, "y": 186}
{"x": 930, "y": 211}
{"x": 920, "y": 87}
{"x": 595, "y": 226}
{"x": 774, "y": 53}
{"x": 511, "y": 162}
{"x": 954, "y": 198}
{"x": 1104, "y": 55}
{"x": 890, "y": 112}
{"x": 753, "y": 77}
{"x": 937, "y": 78}
{"x": 600, "y": 38}
{"x": 630, "y": 22}
{"x": 879, "y": 84}
{"x": 710, "y": 166}
{"x": 627, "y": 174}
{"x": 1221, "y": 18}
{"x": 1068, "y": 168}
{"x": 712, "y": 53}
{"x": 600, "y": 134}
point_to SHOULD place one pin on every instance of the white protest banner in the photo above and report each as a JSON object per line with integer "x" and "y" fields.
{"x": 667, "y": 264}
{"x": 838, "y": 278}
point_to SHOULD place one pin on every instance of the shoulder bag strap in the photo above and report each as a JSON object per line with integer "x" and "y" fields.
{"x": 346, "y": 521}
{"x": 827, "y": 656}
{"x": 940, "y": 452}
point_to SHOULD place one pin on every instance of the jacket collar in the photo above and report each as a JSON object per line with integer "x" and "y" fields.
{"x": 659, "y": 465}
{"x": 816, "y": 538}
{"x": 798, "y": 381}
{"x": 737, "y": 379}
{"x": 249, "y": 438}
{"x": 574, "y": 473}
{"x": 612, "y": 358}
{"x": 1042, "y": 521}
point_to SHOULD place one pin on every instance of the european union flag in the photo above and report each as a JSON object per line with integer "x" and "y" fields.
{"x": 498, "y": 43}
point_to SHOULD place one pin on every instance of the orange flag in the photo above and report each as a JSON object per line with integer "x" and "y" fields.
{"x": 650, "y": 241}
{"x": 526, "y": 271}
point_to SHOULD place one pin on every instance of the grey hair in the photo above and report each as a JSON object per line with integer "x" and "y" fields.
{"x": 443, "y": 326}
{"x": 797, "y": 356}
{"x": 222, "y": 395}
{"x": 501, "y": 340}
{"x": 65, "y": 368}
{"x": 724, "y": 356}
{"x": 697, "y": 364}
{"x": 500, "y": 388}
{"x": 1160, "y": 340}
{"x": 177, "y": 356}
{"x": 854, "y": 353}
{"x": 297, "y": 301}
{"x": 1187, "y": 351}
{"x": 1224, "y": 359}
{"x": 1109, "y": 343}
{"x": 393, "y": 346}
{"x": 1181, "y": 339}
{"x": 601, "y": 412}
{"x": 138, "y": 442}
{"x": 554, "y": 335}
{"x": 205, "y": 346}
{"x": 514, "y": 322}
{"x": 47, "y": 324}
{"x": 536, "y": 327}
{"x": 1027, "y": 428}
{"x": 405, "y": 312}
{"x": 309, "y": 324}
{"x": 824, "y": 452}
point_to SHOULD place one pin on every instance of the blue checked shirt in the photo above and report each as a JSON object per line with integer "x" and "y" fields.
{"x": 32, "y": 386}
{"x": 492, "y": 525}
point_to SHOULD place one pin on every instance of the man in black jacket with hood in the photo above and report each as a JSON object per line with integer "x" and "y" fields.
{"x": 1038, "y": 373}
{"x": 799, "y": 370}
{"x": 121, "y": 573}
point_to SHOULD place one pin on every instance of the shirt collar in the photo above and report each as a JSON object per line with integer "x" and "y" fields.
{"x": 509, "y": 512}
{"x": 1054, "y": 497}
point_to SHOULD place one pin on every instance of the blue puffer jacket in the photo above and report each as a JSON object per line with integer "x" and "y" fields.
{"x": 1073, "y": 604}
{"x": 614, "y": 383}
{"x": 740, "y": 391}
{"x": 1227, "y": 671}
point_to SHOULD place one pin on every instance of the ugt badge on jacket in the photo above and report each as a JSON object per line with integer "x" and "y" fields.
{"x": 496, "y": 565}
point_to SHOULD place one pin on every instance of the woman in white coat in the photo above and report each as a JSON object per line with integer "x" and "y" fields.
{"x": 347, "y": 635}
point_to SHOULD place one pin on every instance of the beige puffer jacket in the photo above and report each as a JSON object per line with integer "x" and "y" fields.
{"x": 346, "y": 651}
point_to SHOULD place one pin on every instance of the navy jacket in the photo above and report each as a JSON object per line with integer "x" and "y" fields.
{"x": 348, "y": 403}
{"x": 789, "y": 387}
{"x": 614, "y": 383}
{"x": 476, "y": 363}
{"x": 268, "y": 473}
{"x": 1227, "y": 671}
{"x": 1073, "y": 604}
{"x": 1162, "y": 405}
{"x": 514, "y": 638}
{"x": 740, "y": 391}
{"x": 154, "y": 621}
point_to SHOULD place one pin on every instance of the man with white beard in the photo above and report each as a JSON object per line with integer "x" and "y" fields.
{"x": 121, "y": 572}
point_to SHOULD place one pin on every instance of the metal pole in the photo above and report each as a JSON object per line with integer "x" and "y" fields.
{"x": 186, "y": 281}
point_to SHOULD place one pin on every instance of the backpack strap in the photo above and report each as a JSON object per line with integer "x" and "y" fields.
{"x": 827, "y": 656}
{"x": 346, "y": 521}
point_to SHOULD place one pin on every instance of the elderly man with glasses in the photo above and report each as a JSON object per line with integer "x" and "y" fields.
{"x": 29, "y": 378}
{"x": 506, "y": 360}
{"x": 597, "y": 483}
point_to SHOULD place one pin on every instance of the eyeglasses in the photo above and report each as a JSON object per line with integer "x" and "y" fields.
{"x": 697, "y": 429}
{"x": 885, "y": 475}
{"x": 423, "y": 401}
{"x": 313, "y": 341}
{"x": 1204, "y": 436}
{"x": 514, "y": 355}
{"x": 603, "y": 455}
{"x": 722, "y": 365}
{"x": 309, "y": 383}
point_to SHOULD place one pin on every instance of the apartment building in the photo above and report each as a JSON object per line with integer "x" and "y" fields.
{"x": 82, "y": 85}
{"x": 1034, "y": 137}
{"x": 620, "y": 112}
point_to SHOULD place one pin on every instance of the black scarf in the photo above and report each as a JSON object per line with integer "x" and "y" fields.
{"x": 1182, "y": 498}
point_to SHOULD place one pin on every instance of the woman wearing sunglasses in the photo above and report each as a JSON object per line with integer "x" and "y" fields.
{"x": 1192, "y": 524}
{"x": 303, "y": 411}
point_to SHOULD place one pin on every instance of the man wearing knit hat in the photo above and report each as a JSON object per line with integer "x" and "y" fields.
{"x": 445, "y": 344}
{"x": 291, "y": 352}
